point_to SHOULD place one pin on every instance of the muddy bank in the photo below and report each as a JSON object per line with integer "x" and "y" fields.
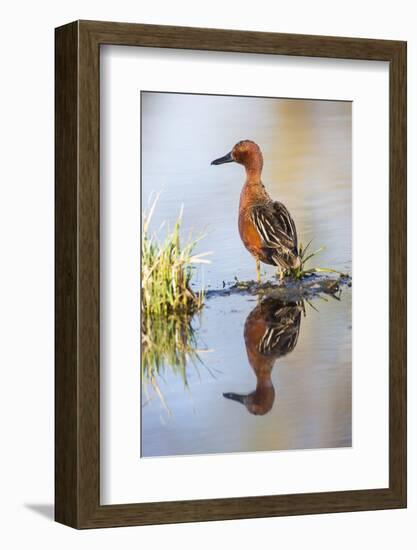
{"x": 289, "y": 290}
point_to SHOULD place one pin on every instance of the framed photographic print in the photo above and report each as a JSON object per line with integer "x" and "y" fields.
{"x": 230, "y": 274}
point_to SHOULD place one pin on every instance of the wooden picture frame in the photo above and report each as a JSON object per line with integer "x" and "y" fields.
{"x": 77, "y": 372}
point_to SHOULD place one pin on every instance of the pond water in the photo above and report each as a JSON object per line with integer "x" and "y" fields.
{"x": 299, "y": 396}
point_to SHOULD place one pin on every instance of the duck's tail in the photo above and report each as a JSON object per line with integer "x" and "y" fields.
{"x": 297, "y": 263}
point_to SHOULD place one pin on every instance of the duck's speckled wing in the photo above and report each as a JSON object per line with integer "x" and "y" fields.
{"x": 277, "y": 230}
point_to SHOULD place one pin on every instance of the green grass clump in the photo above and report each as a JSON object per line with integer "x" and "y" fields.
{"x": 167, "y": 270}
{"x": 300, "y": 272}
{"x": 168, "y": 339}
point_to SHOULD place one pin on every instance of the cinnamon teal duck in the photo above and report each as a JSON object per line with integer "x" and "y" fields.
{"x": 266, "y": 227}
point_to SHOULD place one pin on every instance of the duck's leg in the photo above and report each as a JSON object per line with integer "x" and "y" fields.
{"x": 281, "y": 274}
{"x": 258, "y": 270}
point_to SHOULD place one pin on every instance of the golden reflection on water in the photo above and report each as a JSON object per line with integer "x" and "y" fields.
{"x": 307, "y": 166}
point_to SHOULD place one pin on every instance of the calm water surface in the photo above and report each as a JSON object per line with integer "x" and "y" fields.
{"x": 301, "y": 396}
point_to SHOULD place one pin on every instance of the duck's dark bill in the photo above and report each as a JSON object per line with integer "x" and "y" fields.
{"x": 236, "y": 397}
{"x": 223, "y": 160}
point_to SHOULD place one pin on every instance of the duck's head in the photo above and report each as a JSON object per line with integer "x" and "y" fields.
{"x": 245, "y": 152}
{"x": 259, "y": 402}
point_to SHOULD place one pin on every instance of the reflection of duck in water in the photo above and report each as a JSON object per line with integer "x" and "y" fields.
{"x": 271, "y": 331}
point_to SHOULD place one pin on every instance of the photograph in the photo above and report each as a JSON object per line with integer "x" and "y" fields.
{"x": 246, "y": 274}
{"x": 208, "y": 262}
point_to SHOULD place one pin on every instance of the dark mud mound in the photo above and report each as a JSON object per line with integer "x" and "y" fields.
{"x": 289, "y": 290}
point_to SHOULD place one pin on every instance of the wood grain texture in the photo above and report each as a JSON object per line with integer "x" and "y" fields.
{"x": 398, "y": 273}
{"x": 66, "y": 236}
{"x": 78, "y": 286}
